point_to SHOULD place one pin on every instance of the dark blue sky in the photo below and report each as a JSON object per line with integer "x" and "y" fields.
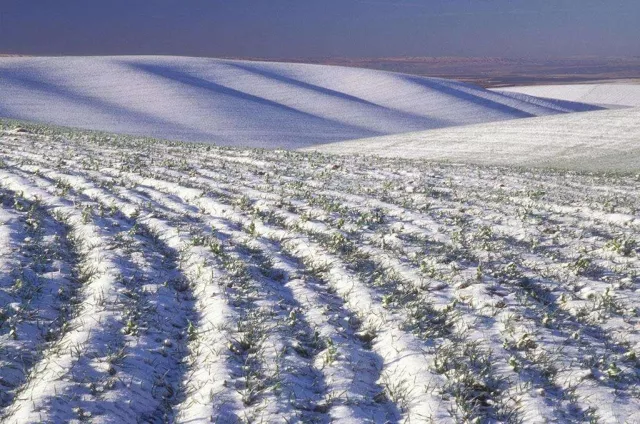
{"x": 300, "y": 28}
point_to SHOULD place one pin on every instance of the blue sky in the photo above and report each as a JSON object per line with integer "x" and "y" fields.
{"x": 300, "y": 28}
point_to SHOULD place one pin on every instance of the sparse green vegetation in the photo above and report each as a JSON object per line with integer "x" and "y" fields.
{"x": 176, "y": 282}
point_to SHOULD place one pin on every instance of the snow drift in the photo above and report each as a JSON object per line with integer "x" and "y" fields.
{"x": 244, "y": 103}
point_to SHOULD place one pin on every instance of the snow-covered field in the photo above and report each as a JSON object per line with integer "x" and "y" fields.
{"x": 243, "y": 103}
{"x": 607, "y": 140}
{"x": 148, "y": 281}
{"x": 604, "y": 94}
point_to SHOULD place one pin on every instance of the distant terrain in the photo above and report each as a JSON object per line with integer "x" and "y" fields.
{"x": 605, "y": 140}
{"x": 243, "y": 103}
{"x": 500, "y": 72}
{"x": 594, "y": 141}
{"x": 604, "y": 94}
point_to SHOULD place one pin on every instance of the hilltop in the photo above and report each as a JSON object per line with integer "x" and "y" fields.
{"x": 243, "y": 103}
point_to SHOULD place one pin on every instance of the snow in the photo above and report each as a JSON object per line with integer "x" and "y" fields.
{"x": 603, "y": 94}
{"x": 606, "y": 140}
{"x": 187, "y": 283}
{"x": 259, "y": 104}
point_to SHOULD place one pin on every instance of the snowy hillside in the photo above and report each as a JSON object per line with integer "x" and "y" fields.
{"x": 229, "y": 102}
{"x": 146, "y": 281}
{"x": 597, "y": 94}
{"x": 606, "y": 140}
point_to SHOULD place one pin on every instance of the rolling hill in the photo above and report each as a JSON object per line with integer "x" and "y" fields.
{"x": 259, "y": 104}
{"x": 605, "y": 94}
{"x": 607, "y": 140}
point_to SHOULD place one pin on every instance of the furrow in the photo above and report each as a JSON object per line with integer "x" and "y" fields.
{"x": 338, "y": 393}
{"x": 203, "y": 392}
{"x": 61, "y": 385}
{"x": 404, "y": 358}
{"x": 35, "y": 263}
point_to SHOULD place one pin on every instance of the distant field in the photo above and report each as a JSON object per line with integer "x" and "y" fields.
{"x": 608, "y": 95}
{"x": 243, "y": 103}
{"x": 606, "y": 140}
{"x": 501, "y": 72}
{"x": 152, "y": 281}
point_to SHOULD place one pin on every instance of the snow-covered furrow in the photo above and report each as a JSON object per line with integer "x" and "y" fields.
{"x": 277, "y": 360}
{"x": 597, "y": 403}
{"x": 552, "y": 316}
{"x": 206, "y": 337}
{"x": 336, "y": 393}
{"x": 404, "y": 363}
{"x": 206, "y": 392}
{"x": 330, "y": 349}
{"x": 85, "y": 359}
{"x": 290, "y": 372}
{"x": 424, "y": 219}
{"x": 477, "y": 331}
{"x": 34, "y": 288}
{"x": 157, "y": 325}
{"x": 398, "y": 268}
{"x": 470, "y": 327}
{"x": 349, "y": 369}
{"x": 349, "y": 375}
{"x": 475, "y": 324}
{"x": 358, "y": 289}
{"x": 157, "y": 318}
{"x": 594, "y": 404}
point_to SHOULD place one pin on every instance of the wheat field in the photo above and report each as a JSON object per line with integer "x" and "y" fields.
{"x": 155, "y": 281}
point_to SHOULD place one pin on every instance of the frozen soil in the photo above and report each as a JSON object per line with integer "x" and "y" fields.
{"x": 153, "y": 281}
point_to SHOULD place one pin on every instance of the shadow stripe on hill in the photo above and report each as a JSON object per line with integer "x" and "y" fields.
{"x": 241, "y": 103}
